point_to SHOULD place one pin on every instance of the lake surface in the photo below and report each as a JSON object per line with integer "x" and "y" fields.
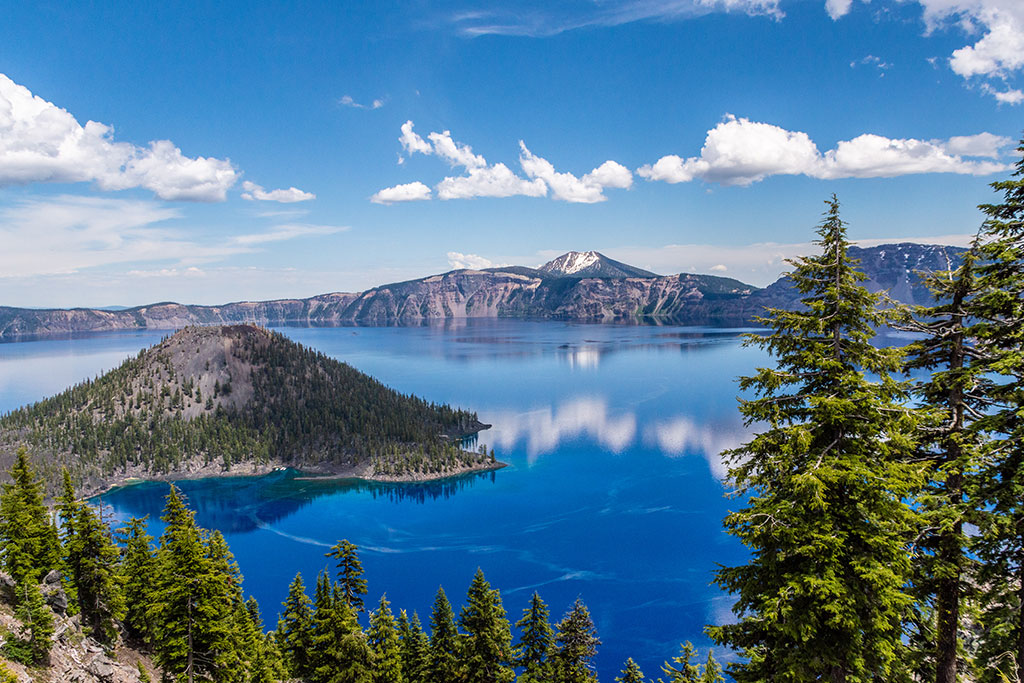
{"x": 612, "y": 493}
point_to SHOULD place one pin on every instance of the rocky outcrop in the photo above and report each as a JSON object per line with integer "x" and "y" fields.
{"x": 75, "y": 657}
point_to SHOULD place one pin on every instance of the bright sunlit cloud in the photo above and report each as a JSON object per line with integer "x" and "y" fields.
{"x": 740, "y": 152}
{"x": 40, "y": 143}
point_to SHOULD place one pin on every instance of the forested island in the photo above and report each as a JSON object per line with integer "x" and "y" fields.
{"x": 239, "y": 399}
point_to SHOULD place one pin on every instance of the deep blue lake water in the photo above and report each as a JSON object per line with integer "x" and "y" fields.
{"x": 613, "y": 492}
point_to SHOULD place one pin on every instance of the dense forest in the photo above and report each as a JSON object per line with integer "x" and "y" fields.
{"x": 227, "y": 395}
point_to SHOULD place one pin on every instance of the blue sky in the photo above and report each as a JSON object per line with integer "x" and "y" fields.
{"x": 229, "y": 151}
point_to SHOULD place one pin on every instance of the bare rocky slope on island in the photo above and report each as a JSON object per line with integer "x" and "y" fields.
{"x": 584, "y": 286}
{"x": 242, "y": 400}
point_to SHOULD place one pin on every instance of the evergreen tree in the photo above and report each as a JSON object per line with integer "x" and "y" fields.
{"x": 350, "y": 574}
{"x": 342, "y": 654}
{"x": 952, "y": 398}
{"x": 535, "y": 642}
{"x": 36, "y": 622}
{"x": 444, "y": 641}
{"x": 712, "y": 672}
{"x": 683, "y": 671}
{"x": 999, "y": 309}
{"x": 631, "y": 673}
{"x": 576, "y": 644}
{"x": 136, "y": 576}
{"x": 93, "y": 559}
{"x": 386, "y": 645}
{"x": 486, "y": 649}
{"x": 28, "y": 546}
{"x": 825, "y": 591}
{"x": 295, "y": 630}
{"x": 415, "y": 649}
{"x": 190, "y": 609}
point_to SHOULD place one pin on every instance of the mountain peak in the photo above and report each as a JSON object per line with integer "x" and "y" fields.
{"x": 582, "y": 264}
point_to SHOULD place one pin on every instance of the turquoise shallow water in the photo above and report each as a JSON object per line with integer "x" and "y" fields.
{"x": 612, "y": 491}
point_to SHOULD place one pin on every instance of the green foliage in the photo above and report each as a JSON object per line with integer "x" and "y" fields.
{"x": 631, "y": 673}
{"x": 682, "y": 670}
{"x": 999, "y": 310}
{"x": 575, "y": 646}
{"x": 415, "y": 649}
{"x": 386, "y": 645}
{"x": 93, "y": 558}
{"x": 295, "y": 630}
{"x": 6, "y": 675}
{"x": 535, "y": 642}
{"x": 36, "y": 624}
{"x": 825, "y": 591}
{"x": 486, "y": 647}
{"x": 350, "y": 574}
{"x": 28, "y": 544}
{"x": 191, "y": 600}
{"x": 138, "y": 565}
{"x": 444, "y": 641}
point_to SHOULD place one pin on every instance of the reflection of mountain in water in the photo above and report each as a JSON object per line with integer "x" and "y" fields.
{"x": 242, "y": 504}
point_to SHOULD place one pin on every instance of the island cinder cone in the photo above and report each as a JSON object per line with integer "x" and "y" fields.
{"x": 239, "y": 398}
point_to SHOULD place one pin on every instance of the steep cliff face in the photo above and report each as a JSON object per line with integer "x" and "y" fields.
{"x": 561, "y": 289}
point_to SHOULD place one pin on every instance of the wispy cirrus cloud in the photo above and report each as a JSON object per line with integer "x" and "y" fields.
{"x": 541, "y": 19}
{"x": 349, "y": 101}
{"x": 67, "y": 234}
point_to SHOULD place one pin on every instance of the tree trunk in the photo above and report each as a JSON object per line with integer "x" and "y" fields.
{"x": 948, "y": 608}
{"x": 1020, "y": 608}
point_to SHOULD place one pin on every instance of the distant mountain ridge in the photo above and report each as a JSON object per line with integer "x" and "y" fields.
{"x": 585, "y": 286}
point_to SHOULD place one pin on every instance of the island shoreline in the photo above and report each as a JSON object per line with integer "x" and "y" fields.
{"x": 243, "y": 470}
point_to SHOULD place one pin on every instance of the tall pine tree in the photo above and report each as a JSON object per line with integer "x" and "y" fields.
{"x": 535, "y": 642}
{"x": 350, "y": 574}
{"x": 486, "y": 651}
{"x": 999, "y": 309}
{"x": 575, "y": 646}
{"x": 824, "y": 594}
{"x": 444, "y": 641}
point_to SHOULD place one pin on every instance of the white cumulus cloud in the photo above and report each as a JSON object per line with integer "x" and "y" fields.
{"x": 409, "y": 192}
{"x": 490, "y": 181}
{"x": 455, "y": 153}
{"x": 568, "y": 187}
{"x": 412, "y": 142}
{"x": 41, "y": 142}
{"x": 254, "y": 192}
{"x": 498, "y": 180}
{"x": 459, "y": 261}
{"x": 740, "y": 152}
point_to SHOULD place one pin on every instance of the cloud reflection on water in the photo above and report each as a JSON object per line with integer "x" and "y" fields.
{"x": 544, "y": 429}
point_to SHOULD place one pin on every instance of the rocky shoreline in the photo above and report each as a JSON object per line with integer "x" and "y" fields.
{"x": 247, "y": 469}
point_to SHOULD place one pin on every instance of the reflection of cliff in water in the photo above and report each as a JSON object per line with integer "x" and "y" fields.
{"x": 242, "y": 504}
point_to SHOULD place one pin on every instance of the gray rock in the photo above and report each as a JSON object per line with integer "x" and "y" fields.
{"x": 55, "y": 597}
{"x": 53, "y": 577}
{"x": 102, "y": 668}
